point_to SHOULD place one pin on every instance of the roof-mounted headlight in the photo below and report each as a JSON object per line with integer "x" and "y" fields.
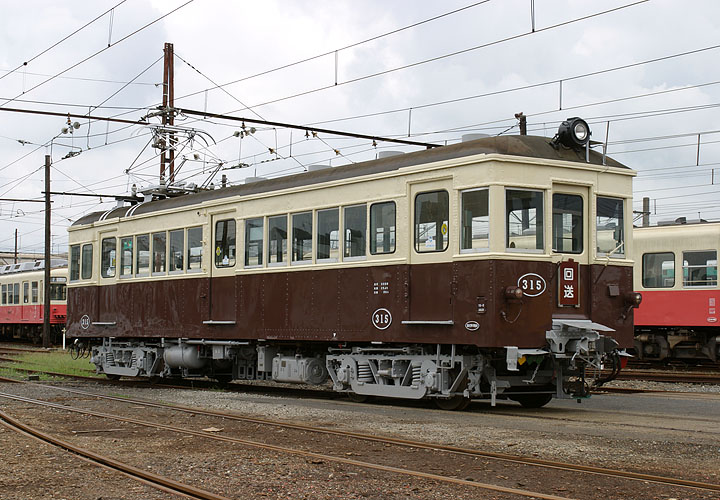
{"x": 573, "y": 133}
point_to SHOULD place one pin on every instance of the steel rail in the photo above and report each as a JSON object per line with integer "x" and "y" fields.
{"x": 292, "y": 451}
{"x": 154, "y": 480}
{"x": 411, "y": 444}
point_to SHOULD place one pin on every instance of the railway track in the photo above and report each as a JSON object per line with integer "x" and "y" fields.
{"x": 386, "y": 441}
{"x": 670, "y": 376}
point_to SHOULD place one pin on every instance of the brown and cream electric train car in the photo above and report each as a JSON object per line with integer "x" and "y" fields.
{"x": 495, "y": 268}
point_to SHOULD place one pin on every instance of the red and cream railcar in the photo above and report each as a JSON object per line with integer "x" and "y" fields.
{"x": 22, "y": 301}
{"x": 676, "y": 272}
{"x": 496, "y": 268}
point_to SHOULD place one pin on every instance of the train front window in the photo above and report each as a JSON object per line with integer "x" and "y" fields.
{"x": 700, "y": 268}
{"x": 277, "y": 240}
{"x": 355, "y": 221}
{"x": 225, "y": 243}
{"x": 254, "y": 242}
{"x": 328, "y": 234}
{"x": 658, "y": 270}
{"x": 177, "y": 252}
{"x": 108, "y": 258}
{"x": 610, "y": 233}
{"x": 475, "y": 222}
{"x": 194, "y": 250}
{"x": 524, "y": 220}
{"x": 382, "y": 228}
{"x": 302, "y": 237}
{"x": 87, "y": 261}
{"x": 567, "y": 223}
{"x": 126, "y": 256}
{"x": 74, "y": 262}
{"x": 159, "y": 252}
{"x": 58, "y": 291}
{"x": 431, "y": 221}
{"x": 142, "y": 246}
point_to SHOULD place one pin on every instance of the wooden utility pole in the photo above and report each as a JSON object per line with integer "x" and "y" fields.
{"x": 46, "y": 286}
{"x": 167, "y": 156}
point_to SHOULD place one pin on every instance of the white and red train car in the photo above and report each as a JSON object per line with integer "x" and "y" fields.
{"x": 22, "y": 301}
{"x": 676, "y": 272}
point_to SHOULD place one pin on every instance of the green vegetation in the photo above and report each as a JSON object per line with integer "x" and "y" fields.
{"x": 53, "y": 361}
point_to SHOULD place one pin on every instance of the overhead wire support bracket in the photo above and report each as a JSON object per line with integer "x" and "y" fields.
{"x": 312, "y": 130}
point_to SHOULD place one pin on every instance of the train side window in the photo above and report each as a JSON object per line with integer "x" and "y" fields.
{"x": 328, "y": 235}
{"x": 277, "y": 240}
{"x": 74, "y": 262}
{"x": 142, "y": 262}
{"x": 431, "y": 221}
{"x": 609, "y": 227}
{"x": 225, "y": 243}
{"x": 475, "y": 230}
{"x": 4, "y": 294}
{"x": 87, "y": 261}
{"x": 524, "y": 227}
{"x": 567, "y": 223}
{"x": 159, "y": 252}
{"x": 26, "y": 292}
{"x": 16, "y": 293}
{"x": 194, "y": 250}
{"x": 355, "y": 223}
{"x": 382, "y": 228}
{"x": 254, "y": 242}
{"x": 302, "y": 237}
{"x": 700, "y": 268}
{"x": 126, "y": 256}
{"x": 177, "y": 251}
{"x": 35, "y": 292}
{"x": 108, "y": 257}
{"x": 658, "y": 270}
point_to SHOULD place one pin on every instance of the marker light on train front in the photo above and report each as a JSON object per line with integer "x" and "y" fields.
{"x": 633, "y": 299}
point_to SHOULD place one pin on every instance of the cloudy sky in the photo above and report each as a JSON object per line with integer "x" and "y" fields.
{"x": 644, "y": 75}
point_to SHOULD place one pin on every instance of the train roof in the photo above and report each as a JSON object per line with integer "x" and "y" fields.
{"x": 512, "y": 145}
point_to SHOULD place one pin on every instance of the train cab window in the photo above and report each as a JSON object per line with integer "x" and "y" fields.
{"x": 194, "y": 249}
{"x": 87, "y": 261}
{"x": 177, "y": 251}
{"x": 567, "y": 223}
{"x": 108, "y": 259}
{"x": 126, "y": 256}
{"x": 16, "y": 293}
{"x": 382, "y": 228}
{"x": 159, "y": 252}
{"x": 225, "y": 243}
{"x": 58, "y": 290}
{"x": 302, "y": 237}
{"x": 74, "y": 262}
{"x": 277, "y": 240}
{"x": 658, "y": 270}
{"x": 355, "y": 222}
{"x": 142, "y": 262}
{"x": 3, "y": 294}
{"x": 700, "y": 268}
{"x": 328, "y": 235}
{"x": 475, "y": 222}
{"x": 524, "y": 220}
{"x": 610, "y": 227}
{"x": 253, "y": 242}
{"x": 431, "y": 221}
{"x": 26, "y": 292}
{"x": 34, "y": 292}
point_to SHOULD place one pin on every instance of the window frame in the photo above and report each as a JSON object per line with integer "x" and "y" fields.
{"x": 74, "y": 263}
{"x": 109, "y": 251}
{"x": 372, "y": 230}
{"x": 83, "y": 265}
{"x": 153, "y": 238}
{"x": 188, "y": 261}
{"x": 329, "y": 258}
{"x": 538, "y": 217}
{"x": 644, "y": 268}
{"x": 685, "y": 281}
{"x": 351, "y": 258}
{"x": 170, "y": 256}
{"x": 462, "y": 225}
{"x": 123, "y": 275}
{"x": 246, "y": 246}
{"x": 302, "y": 262}
{"x": 619, "y": 254}
{"x": 582, "y": 223}
{"x": 146, "y": 238}
{"x": 229, "y": 234}
{"x": 416, "y": 223}
{"x": 286, "y": 240}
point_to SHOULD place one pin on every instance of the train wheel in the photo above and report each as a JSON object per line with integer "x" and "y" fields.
{"x": 112, "y": 376}
{"x": 532, "y": 400}
{"x": 357, "y": 398}
{"x": 455, "y": 403}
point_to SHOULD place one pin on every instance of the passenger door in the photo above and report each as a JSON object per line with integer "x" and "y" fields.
{"x": 222, "y": 298}
{"x": 431, "y": 246}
